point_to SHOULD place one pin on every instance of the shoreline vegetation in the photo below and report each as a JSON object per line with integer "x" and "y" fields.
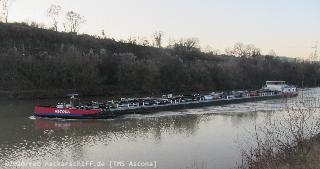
{"x": 306, "y": 157}
{"x": 291, "y": 141}
{"x": 42, "y": 63}
{"x": 63, "y": 93}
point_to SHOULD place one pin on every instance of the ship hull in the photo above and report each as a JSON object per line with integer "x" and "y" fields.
{"x": 69, "y": 113}
{"x": 112, "y": 113}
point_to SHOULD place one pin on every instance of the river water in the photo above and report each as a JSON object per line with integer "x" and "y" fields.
{"x": 210, "y": 137}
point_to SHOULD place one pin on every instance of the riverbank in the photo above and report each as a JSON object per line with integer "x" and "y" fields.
{"x": 32, "y": 94}
{"x": 291, "y": 141}
{"x": 61, "y": 93}
{"x": 305, "y": 157}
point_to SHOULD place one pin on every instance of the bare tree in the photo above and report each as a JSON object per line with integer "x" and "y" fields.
{"x": 252, "y": 51}
{"x": 188, "y": 44}
{"x": 242, "y": 50}
{"x": 4, "y": 9}
{"x": 239, "y": 49}
{"x": 73, "y": 21}
{"x": 132, "y": 40}
{"x": 272, "y": 53}
{"x": 54, "y": 13}
{"x": 158, "y": 37}
{"x": 191, "y": 43}
{"x": 143, "y": 41}
{"x": 210, "y": 50}
{"x": 103, "y": 34}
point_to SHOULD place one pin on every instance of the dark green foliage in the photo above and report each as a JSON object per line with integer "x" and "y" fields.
{"x": 33, "y": 58}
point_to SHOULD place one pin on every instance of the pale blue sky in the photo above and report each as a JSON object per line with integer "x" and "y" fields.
{"x": 290, "y": 27}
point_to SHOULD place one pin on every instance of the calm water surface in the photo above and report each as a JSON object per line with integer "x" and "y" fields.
{"x": 210, "y": 137}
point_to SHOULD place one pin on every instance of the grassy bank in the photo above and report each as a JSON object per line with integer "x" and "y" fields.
{"x": 306, "y": 157}
{"x": 292, "y": 141}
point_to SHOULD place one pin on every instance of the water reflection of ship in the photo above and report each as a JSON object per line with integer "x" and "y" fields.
{"x": 110, "y": 130}
{"x": 63, "y": 124}
{"x": 133, "y": 127}
{"x": 73, "y": 136}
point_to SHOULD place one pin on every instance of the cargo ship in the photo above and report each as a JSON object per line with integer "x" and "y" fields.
{"x": 114, "y": 108}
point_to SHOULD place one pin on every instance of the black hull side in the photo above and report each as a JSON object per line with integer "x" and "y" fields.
{"x": 190, "y": 105}
{"x": 103, "y": 115}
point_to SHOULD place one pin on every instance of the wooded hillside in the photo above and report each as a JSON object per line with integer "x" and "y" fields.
{"x": 32, "y": 58}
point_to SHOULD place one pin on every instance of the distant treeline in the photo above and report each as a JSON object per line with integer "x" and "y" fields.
{"x": 38, "y": 59}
